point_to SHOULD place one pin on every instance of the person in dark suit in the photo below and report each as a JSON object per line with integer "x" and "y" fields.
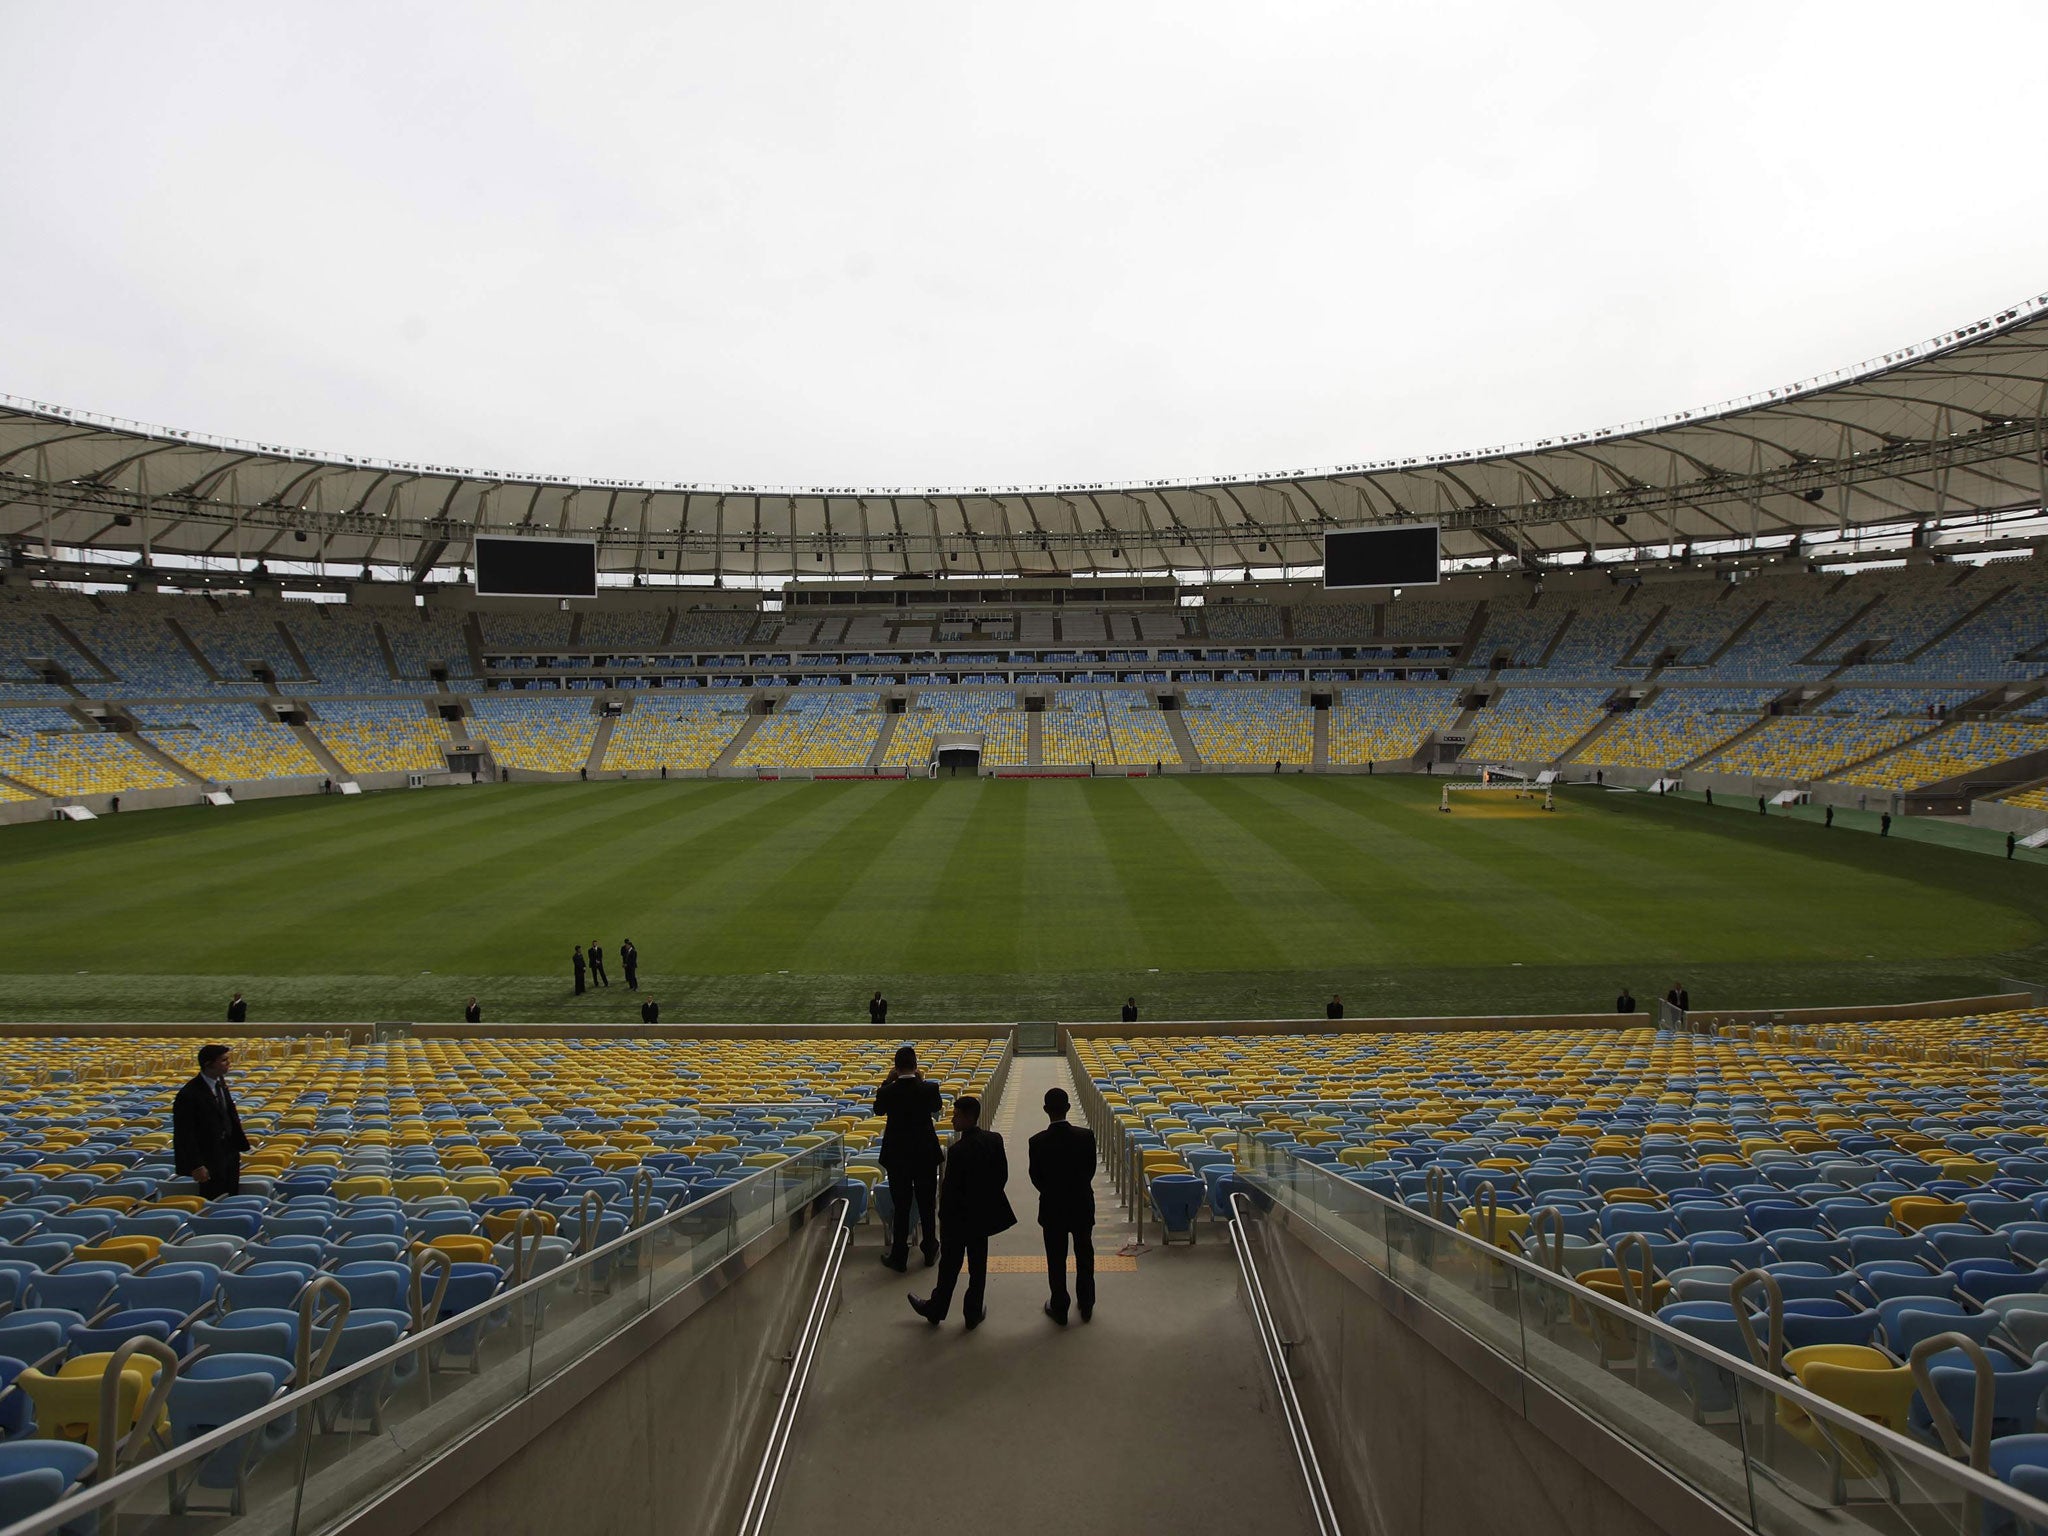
{"x": 597, "y": 974}
{"x": 238, "y": 1010}
{"x": 973, "y": 1207}
{"x": 1884, "y": 824}
{"x": 629, "y": 957}
{"x": 577, "y": 961}
{"x": 1130, "y": 1010}
{"x": 1626, "y": 1003}
{"x": 1063, "y": 1173}
{"x": 910, "y": 1156}
{"x": 878, "y": 1009}
{"x": 1334, "y": 1009}
{"x": 206, "y": 1133}
{"x": 650, "y": 1012}
{"x": 473, "y": 1012}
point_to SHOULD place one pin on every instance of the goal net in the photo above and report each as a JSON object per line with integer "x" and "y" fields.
{"x": 1518, "y": 789}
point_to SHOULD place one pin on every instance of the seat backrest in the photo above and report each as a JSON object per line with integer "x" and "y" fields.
{"x": 24, "y": 1495}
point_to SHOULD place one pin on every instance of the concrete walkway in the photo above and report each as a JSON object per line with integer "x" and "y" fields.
{"x": 1157, "y": 1414}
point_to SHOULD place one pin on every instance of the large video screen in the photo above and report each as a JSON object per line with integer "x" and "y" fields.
{"x": 536, "y": 567}
{"x": 1382, "y": 557}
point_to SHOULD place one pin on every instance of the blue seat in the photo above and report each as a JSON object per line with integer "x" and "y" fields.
{"x": 1742, "y": 1254}
{"x": 1909, "y": 1319}
{"x": 1176, "y": 1198}
{"x": 267, "y": 1285}
{"x": 375, "y": 1284}
{"x": 1954, "y": 1241}
{"x": 14, "y": 1418}
{"x": 262, "y": 1335}
{"x": 369, "y": 1331}
{"x": 1800, "y": 1248}
{"x": 217, "y": 1389}
{"x": 1710, "y": 1389}
{"x": 179, "y": 1290}
{"x": 84, "y": 1292}
{"x": 64, "y": 1465}
{"x": 1828, "y": 1322}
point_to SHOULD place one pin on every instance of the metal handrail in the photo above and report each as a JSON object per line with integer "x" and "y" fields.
{"x": 761, "y": 1501}
{"x": 107, "y": 1491}
{"x": 1319, "y": 1502}
{"x": 1897, "y": 1446}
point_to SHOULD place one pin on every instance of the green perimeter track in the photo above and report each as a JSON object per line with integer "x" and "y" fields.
{"x": 1205, "y": 897}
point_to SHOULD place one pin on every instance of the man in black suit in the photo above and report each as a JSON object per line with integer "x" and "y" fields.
{"x": 973, "y": 1207}
{"x": 577, "y": 961}
{"x": 472, "y": 1012}
{"x": 1130, "y": 1010}
{"x": 206, "y": 1133}
{"x": 1063, "y": 1173}
{"x": 597, "y": 975}
{"x": 1626, "y": 1002}
{"x": 910, "y": 1156}
{"x": 878, "y": 1009}
{"x": 238, "y": 1010}
{"x": 650, "y": 1012}
{"x": 629, "y": 957}
{"x": 1334, "y": 1009}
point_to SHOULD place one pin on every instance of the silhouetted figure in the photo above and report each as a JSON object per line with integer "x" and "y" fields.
{"x": 577, "y": 961}
{"x": 1884, "y": 825}
{"x": 972, "y": 1208}
{"x": 1762, "y": 807}
{"x": 650, "y": 1012}
{"x": 629, "y": 957}
{"x": 1063, "y": 1172}
{"x": 206, "y": 1133}
{"x": 1678, "y": 997}
{"x": 2011, "y": 842}
{"x": 1828, "y": 817}
{"x": 1710, "y": 794}
{"x": 878, "y": 1009}
{"x": 1130, "y": 1011}
{"x": 1626, "y": 1002}
{"x": 597, "y": 974}
{"x": 1334, "y": 1009}
{"x": 910, "y": 1156}
{"x": 473, "y": 1013}
{"x": 238, "y": 1009}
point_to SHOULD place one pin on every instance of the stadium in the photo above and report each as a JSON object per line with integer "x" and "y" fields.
{"x": 1547, "y": 945}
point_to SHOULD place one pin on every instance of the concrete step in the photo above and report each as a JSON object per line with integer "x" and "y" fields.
{"x": 739, "y": 742}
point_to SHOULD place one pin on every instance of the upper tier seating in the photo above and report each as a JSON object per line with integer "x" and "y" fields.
{"x": 1423, "y": 620}
{"x": 622, "y": 629}
{"x": 1802, "y": 612}
{"x": 1387, "y": 723}
{"x": 1241, "y": 621}
{"x": 422, "y": 639}
{"x": 383, "y": 738}
{"x": 677, "y": 731}
{"x": 1514, "y": 630}
{"x": 227, "y": 742}
{"x": 526, "y": 634}
{"x": 1533, "y": 725}
{"x": 340, "y": 643}
{"x": 1916, "y": 604}
{"x": 234, "y": 632}
{"x": 1697, "y": 620}
{"x": 1249, "y": 725}
{"x": 1347, "y": 623}
{"x": 1603, "y": 629}
{"x": 712, "y": 627}
{"x": 539, "y": 732}
{"x": 133, "y": 639}
{"x": 1809, "y": 747}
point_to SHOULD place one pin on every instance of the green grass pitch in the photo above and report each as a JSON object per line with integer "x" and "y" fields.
{"x": 1206, "y": 897}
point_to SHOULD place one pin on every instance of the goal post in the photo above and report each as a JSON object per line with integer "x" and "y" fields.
{"x": 1519, "y": 789}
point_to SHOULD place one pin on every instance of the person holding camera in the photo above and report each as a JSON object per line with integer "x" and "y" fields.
{"x": 910, "y": 1156}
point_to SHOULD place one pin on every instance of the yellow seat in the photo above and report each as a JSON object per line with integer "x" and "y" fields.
{"x": 1361, "y": 1157}
{"x": 464, "y": 1248}
{"x": 360, "y": 1184}
{"x": 478, "y": 1186}
{"x": 134, "y": 1250}
{"x": 1865, "y": 1382}
{"x": 1912, "y": 1212}
{"x": 67, "y": 1405}
{"x": 500, "y": 1225}
{"x": 419, "y": 1186}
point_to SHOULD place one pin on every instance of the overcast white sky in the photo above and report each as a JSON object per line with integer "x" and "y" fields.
{"x": 967, "y": 243}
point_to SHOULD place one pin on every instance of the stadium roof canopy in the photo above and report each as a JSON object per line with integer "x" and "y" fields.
{"x": 1950, "y": 428}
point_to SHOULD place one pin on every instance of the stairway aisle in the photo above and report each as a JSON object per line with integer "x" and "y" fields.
{"x": 1156, "y": 1415}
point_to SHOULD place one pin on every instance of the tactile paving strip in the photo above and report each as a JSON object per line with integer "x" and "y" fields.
{"x": 1024, "y": 1264}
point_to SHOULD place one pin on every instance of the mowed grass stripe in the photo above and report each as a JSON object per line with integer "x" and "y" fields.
{"x": 1188, "y": 914}
{"x": 974, "y": 906}
{"x": 828, "y": 910}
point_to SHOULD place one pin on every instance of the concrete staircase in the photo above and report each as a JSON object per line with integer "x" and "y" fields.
{"x": 599, "y": 740}
{"x": 163, "y": 759}
{"x": 1319, "y": 753}
{"x": 739, "y": 742}
{"x": 1034, "y": 739}
{"x": 1593, "y": 733}
{"x": 1177, "y": 728}
{"x": 330, "y": 765}
{"x": 198, "y": 656}
{"x": 882, "y": 740}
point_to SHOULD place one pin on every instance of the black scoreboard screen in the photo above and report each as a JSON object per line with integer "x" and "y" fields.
{"x": 1382, "y": 557}
{"x": 536, "y": 567}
